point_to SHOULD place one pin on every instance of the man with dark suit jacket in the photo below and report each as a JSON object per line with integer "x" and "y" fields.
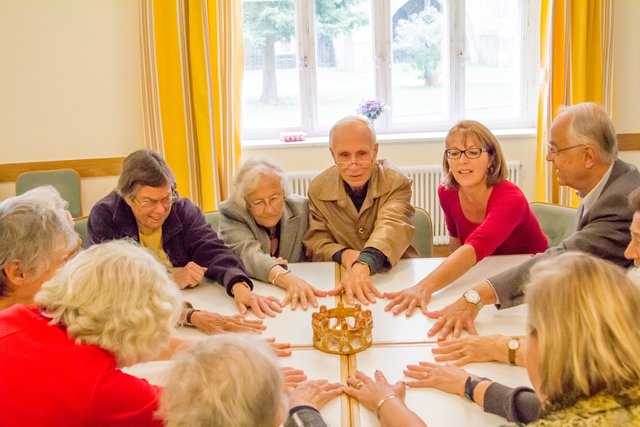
{"x": 583, "y": 150}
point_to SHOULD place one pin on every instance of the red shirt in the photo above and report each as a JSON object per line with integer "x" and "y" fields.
{"x": 509, "y": 227}
{"x": 48, "y": 380}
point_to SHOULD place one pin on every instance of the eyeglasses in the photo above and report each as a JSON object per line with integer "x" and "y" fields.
{"x": 553, "y": 152}
{"x": 166, "y": 202}
{"x": 360, "y": 162}
{"x": 261, "y": 205}
{"x": 470, "y": 153}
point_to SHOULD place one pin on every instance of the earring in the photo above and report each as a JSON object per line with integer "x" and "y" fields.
{"x": 491, "y": 169}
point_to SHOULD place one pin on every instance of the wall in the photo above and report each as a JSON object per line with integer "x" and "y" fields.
{"x": 71, "y": 84}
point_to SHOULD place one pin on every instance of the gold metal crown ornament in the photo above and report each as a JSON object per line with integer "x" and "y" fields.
{"x": 342, "y": 330}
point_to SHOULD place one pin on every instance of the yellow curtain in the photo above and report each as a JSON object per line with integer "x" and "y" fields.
{"x": 576, "y": 57}
{"x": 192, "y": 73}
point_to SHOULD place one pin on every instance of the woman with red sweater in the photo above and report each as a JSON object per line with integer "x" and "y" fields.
{"x": 485, "y": 213}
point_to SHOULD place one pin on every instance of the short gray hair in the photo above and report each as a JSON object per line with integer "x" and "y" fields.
{"x": 249, "y": 175}
{"x": 34, "y": 230}
{"x": 349, "y": 120}
{"x": 591, "y": 124}
{"x": 225, "y": 380}
{"x": 116, "y": 296}
{"x": 144, "y": 168}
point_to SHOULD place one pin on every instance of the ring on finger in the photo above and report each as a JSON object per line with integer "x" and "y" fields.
{"x": 359, "y": 384}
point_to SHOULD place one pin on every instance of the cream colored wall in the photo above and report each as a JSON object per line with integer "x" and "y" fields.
{"x": 71, "y": 84}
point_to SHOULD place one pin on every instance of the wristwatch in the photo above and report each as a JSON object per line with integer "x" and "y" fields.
{"x": 514, "y": 345}
{"x": 471, "y": 384}
{"x": 473, "y": 297}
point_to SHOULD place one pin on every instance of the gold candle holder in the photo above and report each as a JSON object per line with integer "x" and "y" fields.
{"x": 342, "y": 330}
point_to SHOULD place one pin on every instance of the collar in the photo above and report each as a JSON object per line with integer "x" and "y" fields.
{"x": 589, "y": 199}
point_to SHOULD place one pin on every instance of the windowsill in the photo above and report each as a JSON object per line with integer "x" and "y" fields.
{"x": 389, "y": 138}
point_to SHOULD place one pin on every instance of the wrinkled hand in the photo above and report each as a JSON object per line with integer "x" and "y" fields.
{"x": 369, "y": 391}
{"x": 475, "y": 348}
{"x": 292, "y": 377}
{"x": 245, "y": 299}
{"x": 408, "y": 299}
{"x": 214, "y": 323}
{"x": 314, "y": 393}
{"x": 455, "y": 317}
{"x": 300, "y": 291}
{"x": 447, "y": 378}
{"x": 358, "y": 283}
{"x": 188, "y": 276}
{"x": 280, "y": 349}
{"x": 348, "y": 258}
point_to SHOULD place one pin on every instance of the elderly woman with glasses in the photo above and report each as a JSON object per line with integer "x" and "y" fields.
{"x": 113, "y": 305}
{"x": 37, "y": 238}
{"x": 484, "y": 212}
{"x": 146, "y": 208}
{"x": 264, "y": 225}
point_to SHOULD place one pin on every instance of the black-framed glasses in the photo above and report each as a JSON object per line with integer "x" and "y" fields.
{"x": 470, "y": 153}
{"x": 553, "y": 152}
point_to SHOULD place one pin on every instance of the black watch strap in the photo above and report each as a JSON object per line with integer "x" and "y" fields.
{"x": 470, "y": 386}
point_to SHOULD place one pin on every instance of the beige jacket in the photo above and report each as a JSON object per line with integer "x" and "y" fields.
{"x": 385, "y": 221}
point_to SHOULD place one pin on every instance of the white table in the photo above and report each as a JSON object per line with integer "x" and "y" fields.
{"x": 398, "y": 340}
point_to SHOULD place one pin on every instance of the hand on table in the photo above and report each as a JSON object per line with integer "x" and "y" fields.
{"x": 246, "y": 299}
{"x": 408, "y": 299}
{"x": 188, "y": 276}
{"x": 455, "y": 317}
{"x": 214, "y": 323}
{"x": 314, "y": 393}
{"x": 292, "y": 377}
{"x": 474, "y": 348}
{"x": 280, "y": 349}
{"x": 348, "y": 258}
{"x": 447, "y": 378}
{"x": 300, "y": 291}
{"x": 370, "y": 391}
{"x": 358, "y": 283}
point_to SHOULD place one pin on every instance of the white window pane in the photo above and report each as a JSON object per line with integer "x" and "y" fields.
{"x": 420, "y": 77}
{"x": 271, "y": 90}
{"x": 493, "y": 82}
{"x": 344, "y": 57}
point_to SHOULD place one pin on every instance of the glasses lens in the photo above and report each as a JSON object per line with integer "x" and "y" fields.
{"x": 453, "y": 154}
{"x": 473, "y": 153}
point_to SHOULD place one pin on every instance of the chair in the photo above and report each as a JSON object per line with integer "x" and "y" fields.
{"x": 213, "y": 218}
{"x": 557, "y": 222}
{"x": 423, "y": 237}
{"x": 80, "y": 225}
{"x": 66, "y": 181}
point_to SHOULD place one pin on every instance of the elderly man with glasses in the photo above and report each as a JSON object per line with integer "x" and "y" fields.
{"x": 583, "y": 150}
{"x": 360, "y": 212}
{"x": 146, "y": 208}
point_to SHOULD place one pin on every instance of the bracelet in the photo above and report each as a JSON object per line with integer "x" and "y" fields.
{"x": 187, "y": 321}
{"x": 278, "y": 274}
{"x": 382, "y": 402}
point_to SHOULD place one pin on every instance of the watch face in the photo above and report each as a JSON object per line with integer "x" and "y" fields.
{"x": 514, "y": 344}
{"x": 472, "y": 296}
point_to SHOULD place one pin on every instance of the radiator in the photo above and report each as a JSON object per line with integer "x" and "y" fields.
{"x": 425, "y": 191}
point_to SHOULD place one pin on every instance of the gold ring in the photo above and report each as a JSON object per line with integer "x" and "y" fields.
{"x": 359, "y": 384}
{"x": 241, "y": 322}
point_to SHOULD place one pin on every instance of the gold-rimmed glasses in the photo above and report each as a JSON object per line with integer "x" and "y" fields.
{"x": 554, "y": 152}
{"x": 150, "y": 204}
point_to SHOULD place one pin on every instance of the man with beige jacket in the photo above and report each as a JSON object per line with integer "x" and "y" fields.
{"x": 360, "y": 212}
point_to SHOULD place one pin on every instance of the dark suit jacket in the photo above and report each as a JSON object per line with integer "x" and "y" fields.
{"x": 603, "y": 231}
{"x": 251, "y": 242}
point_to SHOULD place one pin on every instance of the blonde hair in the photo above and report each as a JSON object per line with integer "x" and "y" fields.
{"x": 225, "y": 380}
{"x": 497, "y": 169}
{"x": 117, "y": 296}
{"x": 249, "y": 176}
{"x": 583, "y": 311}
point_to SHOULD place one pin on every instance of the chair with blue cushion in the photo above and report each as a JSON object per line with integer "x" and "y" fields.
{"x": 423, "y": 237}
{"x": 66, "y": 181}
{"x": 557, "y": 222}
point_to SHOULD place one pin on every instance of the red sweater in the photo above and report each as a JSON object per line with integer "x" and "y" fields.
{"x": 47, "y": 379}
{"x": 509, "y": 226}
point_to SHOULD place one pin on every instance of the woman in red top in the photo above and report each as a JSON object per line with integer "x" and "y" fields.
{"x": 485, "y": 213}
{"x": 113, "y": 305}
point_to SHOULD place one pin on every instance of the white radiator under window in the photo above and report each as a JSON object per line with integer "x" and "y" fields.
{"x": 425, "y": 191}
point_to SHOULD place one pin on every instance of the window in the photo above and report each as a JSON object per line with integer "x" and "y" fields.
{"x": 434, "y": 62}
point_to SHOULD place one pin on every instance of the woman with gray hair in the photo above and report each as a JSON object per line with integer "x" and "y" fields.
{"x": 146, "y": 208}
{"x": 264, "y": 225}
{"x": 234, "y": 380}
{"x": 113, "y": 305}
{"x": 37, "y": 238}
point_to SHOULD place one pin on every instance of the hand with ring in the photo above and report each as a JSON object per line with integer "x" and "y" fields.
{"x": 447, "y": 378}
{"x": 473, "y": 348}
{"x": 214, "y": 323}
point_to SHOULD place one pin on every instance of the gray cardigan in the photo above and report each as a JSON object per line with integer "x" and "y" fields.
{"x": 251, "y": 242}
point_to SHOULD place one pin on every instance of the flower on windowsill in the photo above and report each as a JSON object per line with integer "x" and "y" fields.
{"x": 372, "y": 108}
